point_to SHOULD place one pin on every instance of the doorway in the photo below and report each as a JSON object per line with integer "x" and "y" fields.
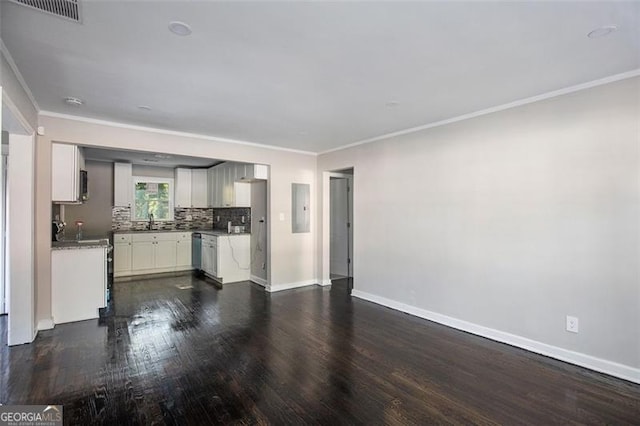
{"x": 341, "y": 229}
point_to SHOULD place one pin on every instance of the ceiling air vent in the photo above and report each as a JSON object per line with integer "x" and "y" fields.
{"x": 68, "y": 9}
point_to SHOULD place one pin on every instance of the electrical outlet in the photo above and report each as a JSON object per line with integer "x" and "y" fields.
{"x": 572, "y": 324}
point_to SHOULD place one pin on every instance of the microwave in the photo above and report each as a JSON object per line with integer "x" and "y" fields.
{"x": 84, "y": 186}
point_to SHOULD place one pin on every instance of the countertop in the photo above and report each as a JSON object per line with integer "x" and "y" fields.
{"x": 215, "y": 232}
{"x": 82, "y": 244}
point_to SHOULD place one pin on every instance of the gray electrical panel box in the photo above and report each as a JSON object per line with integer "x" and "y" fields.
{"x": 300, "y": 211}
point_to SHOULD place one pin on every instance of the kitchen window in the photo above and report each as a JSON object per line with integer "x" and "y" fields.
{"x": 152, "y": 196}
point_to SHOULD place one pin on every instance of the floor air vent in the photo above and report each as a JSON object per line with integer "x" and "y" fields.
{"x": 68, "y": 9}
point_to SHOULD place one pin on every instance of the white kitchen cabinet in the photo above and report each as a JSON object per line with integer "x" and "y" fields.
{"x": 226, "y": 258}
{"x": 151, "y": 252}
{"x": 251, "y": 171}
{"x": 241, "y": 194}
{"x": 226, "y": 188}
{"x": 199, "y": 188}
{"x": 182, "y": 194}
{"x": 183, "y": 251}
{"x": 66, "y": 162}
{"x": 78, "y": 283}
{"x": 209, "y": 255}
{"x": 142, "y": 256}
{"x": 121, "y": 255}
{"x": 122, "y": 184}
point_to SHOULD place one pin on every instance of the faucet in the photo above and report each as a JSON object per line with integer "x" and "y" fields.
{"x": 150, "y": 224}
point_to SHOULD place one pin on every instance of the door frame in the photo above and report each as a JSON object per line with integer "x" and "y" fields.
{"x": 325, "y": 278}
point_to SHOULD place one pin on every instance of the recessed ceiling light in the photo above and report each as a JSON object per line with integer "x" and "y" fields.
{"x": 70, "y": 100}
{"x": 392, "y": 104}
{"x": 602, "y": 31}
{"x": 144, "y": 108}
{"x": 179, "y": 28}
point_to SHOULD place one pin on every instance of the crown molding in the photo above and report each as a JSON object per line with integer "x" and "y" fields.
{"x": 525, "y": 101}
{"x": 170, "y": 132}
{"x": 16, "y": 71}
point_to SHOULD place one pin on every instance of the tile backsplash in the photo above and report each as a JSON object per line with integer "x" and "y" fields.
{"x": 221, "y": 216}
{"x": 190, "y": 218}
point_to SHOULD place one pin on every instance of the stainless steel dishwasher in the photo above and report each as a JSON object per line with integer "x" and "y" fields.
{"x": 196, "y": 251}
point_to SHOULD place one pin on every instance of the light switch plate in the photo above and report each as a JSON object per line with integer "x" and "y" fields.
{"x": 281, "y": 217}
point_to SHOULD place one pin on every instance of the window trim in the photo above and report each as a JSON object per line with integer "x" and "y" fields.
{"x": 149, "y": 179}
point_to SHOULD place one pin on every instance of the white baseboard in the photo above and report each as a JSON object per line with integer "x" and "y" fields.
{"x": 258, "y": 280}
{"x": 324, "y": 283}
{"x": 598, "y": 364}
{"x": 289, "y": 286}
{"x": 46, "y": 324}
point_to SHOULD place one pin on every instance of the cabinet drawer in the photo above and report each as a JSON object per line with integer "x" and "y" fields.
{"x": 182, "y": 236}
{"x": 121, "y": 238}
{"x": 153, "y": 236}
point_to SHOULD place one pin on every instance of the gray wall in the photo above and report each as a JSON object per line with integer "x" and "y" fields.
{"x": 96, "y": 211}
{"x": 258, "y": 229}
{"x": 515, "y": 219}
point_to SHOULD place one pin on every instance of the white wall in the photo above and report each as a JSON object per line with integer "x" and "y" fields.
{"x": 292, "y": 255}
{"x": 515, "y": 219}
{"x": 20, "y": 226}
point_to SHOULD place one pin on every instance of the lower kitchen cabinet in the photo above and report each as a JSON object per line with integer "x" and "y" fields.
{"x": 183, "y": 251}
{"x": 121, "y": 255}
{"x": 78, "y": 283}
{"x": 227, "y": 258}
{"x": 151, "y": 252}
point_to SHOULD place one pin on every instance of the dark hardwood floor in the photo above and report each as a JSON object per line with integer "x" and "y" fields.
{"x": 180, "y": 351}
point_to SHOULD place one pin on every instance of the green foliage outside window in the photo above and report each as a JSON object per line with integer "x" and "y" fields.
{"x": 152, "y": 198}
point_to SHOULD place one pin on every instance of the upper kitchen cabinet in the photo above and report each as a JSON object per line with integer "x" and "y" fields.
{"x": 183, "y": 188}
{"x": 68, "y": 178}
{"x": 229, "y": 183}
{"x": 191, "y": 188}
{"x": 122, "y": 184}
{"x": 251, "y": 171}
{"x": 199, "y": 188}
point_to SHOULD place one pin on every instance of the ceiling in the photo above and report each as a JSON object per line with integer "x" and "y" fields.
{"x": 312, "y": 76}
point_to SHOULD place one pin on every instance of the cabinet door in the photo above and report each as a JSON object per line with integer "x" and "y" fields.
{"x": 207, "y": 256}
{"x": 183, "y": 253}
{"x": 214, "y": 258}
{"x": 122, "y": 184}
{"x": 260, "y": 171}
{"x": 199, "y": 188}
{"x": 165, "y": 254}
{"x": 242, "y": 194}
{"x": 228, "y": 186}
{"x": 210, "y": 187}
{"x": 219, "y": 176}
{"x": 121, "y": 258}
{"x": 142, "y": 255}
{"x": 183, "y": 188}
{"x": 65, "y": 173}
